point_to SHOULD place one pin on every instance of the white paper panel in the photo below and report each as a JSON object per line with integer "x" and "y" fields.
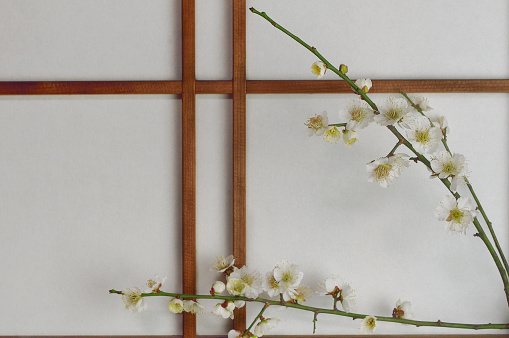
{"x": 90, "y": 40}
{"x": 214, "y": 46}
{"x": 214, "y": 198}
{"x": 392, "y": 39}
{"x": 90, "y": 202}
{"x": 309, "y": 202}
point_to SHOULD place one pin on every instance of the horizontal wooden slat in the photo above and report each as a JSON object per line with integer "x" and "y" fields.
{"x": 89, "y": 87}
{"x": 253, "y": 87}
{"x": 379, "y": 86}
{"x": 109, "y": 87}
{"x": 214, "y": 87}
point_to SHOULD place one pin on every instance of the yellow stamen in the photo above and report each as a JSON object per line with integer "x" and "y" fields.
{"x": 455, "y": 215}
{"x": 382, "y": 171}
{"x": 422, "y": 136}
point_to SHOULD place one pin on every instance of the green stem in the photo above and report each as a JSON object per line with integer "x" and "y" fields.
{"x": 257, "y": 317}
{"x": 394, "y": 149}
{"x": 313, "y": 50}
{"x": 488, "y": 223}
{"x": 494, "y": 255}
{"x": 317, "y": 310}
{"x": 479, "y": 206}
{"x": 414, "y": 105}
{"x": 502, "y": 271}
{"x": 315, "y": 319}
{"x": 393, "y": 129}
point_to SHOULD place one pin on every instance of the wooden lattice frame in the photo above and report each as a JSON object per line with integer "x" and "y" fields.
{"x": 238, "y": 87}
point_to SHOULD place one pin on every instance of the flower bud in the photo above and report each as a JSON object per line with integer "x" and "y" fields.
{"x": 343, "y": 68}
{"x": 349, "y": 137}
{"x": 364, "y": 84}
{"x": 217, "y": 288}
{"x": 318, "y": 68}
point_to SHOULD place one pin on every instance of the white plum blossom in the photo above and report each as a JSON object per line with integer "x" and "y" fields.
{"x": 318, "y": 125}
{"x": 265, "y": 325}
{"x": 332, "y": 135}
{"x": 235, "y": 286}
{"x": 364, "y": 84}
{"x": 288, "y": 277}
{"x": 339, "y": 289}
{"x": 368, "y": 324}
{"x": 155, "y": 284}
{"x": 176, "y": 305}
{"x": 318, "y": 68}
{"x": 423, "y": 136}
{"x": 393, "y": 111}
{"x": 358, "y": 115}
{"x": 225, "y": 309}
{"x": 192, "y": 306}
{"x": 133, "y": 300}
{"x": 386, "y": 169}
{"x": 420, "y": 102}
{"x": 221, "y": 264}
{"x": 403, "y": 310}
{"x": 458, "y": 214}
{"x": 243, "y": 283}
{"x": 446, "y": 165}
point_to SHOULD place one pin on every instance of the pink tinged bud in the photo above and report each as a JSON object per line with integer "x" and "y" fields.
{"x": 398, "y": 312}
{"x": 217, "y": 288}
{"x": 343, "y": 68}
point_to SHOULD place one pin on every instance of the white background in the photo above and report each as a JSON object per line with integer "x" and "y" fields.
{"x": 91, "y": 185}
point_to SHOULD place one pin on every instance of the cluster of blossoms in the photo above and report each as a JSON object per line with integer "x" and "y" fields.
{"x": 425, "y": 133}
{"x": 283, "y": 282}
{"x": 134, "y": 301}
{"x": 403, "y": 310}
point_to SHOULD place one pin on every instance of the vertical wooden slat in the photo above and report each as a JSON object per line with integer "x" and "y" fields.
{"x": 239, "y": 144}
{"x": 188, "y": 160}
